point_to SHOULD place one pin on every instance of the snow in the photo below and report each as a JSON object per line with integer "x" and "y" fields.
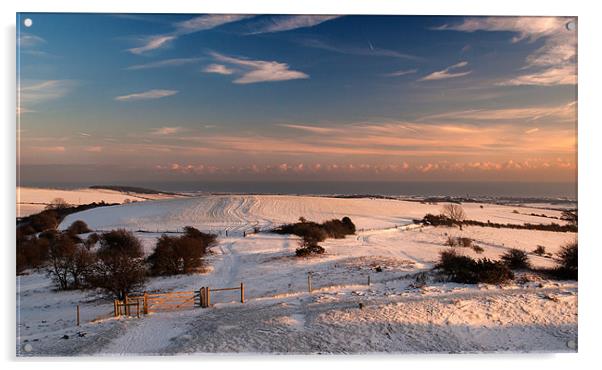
{"x": 399, "y": 314}
{"x": 238, "y": 213}
{"x": 33, "y": 200}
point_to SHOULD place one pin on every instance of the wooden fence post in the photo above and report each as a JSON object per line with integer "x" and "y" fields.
{"x": 138, "y": 308}
{"x": 145, "y": 304}
{"x": 115, "y": 307}
{"x": 207, "y": 296}
{"x": 127, "y": 307}
{"x": 242, "y": 293}
{"x": 77, "y": 315}
{"x": 309, "y": 282}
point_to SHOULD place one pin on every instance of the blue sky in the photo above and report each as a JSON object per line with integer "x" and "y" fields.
{"x": 215, "y": 97}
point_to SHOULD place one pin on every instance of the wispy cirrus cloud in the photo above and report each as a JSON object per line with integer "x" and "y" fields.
{"x": 564, "y": 75}
{"x": 196, "y": 24}
{"x": 31, "y": 93}
{"x": 558, "y": 113}
{"x": 152, "y": 43}
{"x": 219, "y": 69}
{"x": 289, "y": 22}
{"x": 166, "y": 131}
{"x": 448, "y": 72}
{"x": 551, "y": 64}
{"x": 254, "y": 71}
{"x": 207, "y": 22}
{"x": 312, "y": 129}
{"x": 27, "y": 40}
{"x": 147, "y": 95}
{"x": 175, "y": 62}
{"x": 402, "y": 72}
{"x": 368, "y": 50}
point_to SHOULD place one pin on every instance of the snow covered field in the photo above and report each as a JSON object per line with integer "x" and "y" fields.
{"x": 33, "y": 200}
{"x": 399, "y": 313}
{"x": 240, "y": 213}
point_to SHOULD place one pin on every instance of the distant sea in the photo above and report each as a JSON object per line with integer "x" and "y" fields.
{"x": 423, "y": 189}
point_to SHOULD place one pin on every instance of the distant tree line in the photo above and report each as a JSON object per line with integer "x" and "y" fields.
{"x": 442, "y": 220}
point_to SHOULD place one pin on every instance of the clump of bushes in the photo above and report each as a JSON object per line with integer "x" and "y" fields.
{"x": 306, "y": 251}
{"x": 464, "y": 269}
{"x": 184, "y": 254}
{"x": 516, "y": 259}
{"x": 312, "y": 233}
{"x": 459, "y": 241}
{"x": 336, "y": 229}
{"x": 69, "y": 262}
{"x": 443, "y": 220}
{"x": 44, "y": 220}
{"x": 79, "y": 227}
{"x": 465, "y": 242}
{"x": 567, "y": 260}
{"x": 540, "y": 250}
{"x": 478, "y": 249}
{"x": 32, "y": 252}
{"x": 119, "y": 266}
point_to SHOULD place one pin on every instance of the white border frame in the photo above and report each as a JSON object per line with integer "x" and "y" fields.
{"x": 589, "y": 168}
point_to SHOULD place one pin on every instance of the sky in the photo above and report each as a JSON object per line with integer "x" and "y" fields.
{"x": 151, "y": 97}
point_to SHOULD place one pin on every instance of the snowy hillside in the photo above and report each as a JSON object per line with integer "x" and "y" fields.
{"x": 400, "y": 312}
{"x": 244, "y": 212}
{"x": 33, "y": 200}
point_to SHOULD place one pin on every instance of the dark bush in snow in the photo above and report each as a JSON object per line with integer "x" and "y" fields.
{"x": 516, "y": 259}
{"x": 313, "y": 231}
{"x": 540, "y": 250}
{"x": 463, "y": 269}
{"x": 568, "y": 260}
{"x": 568, "y": 256}
{"x": 119, "y": 267}
{"x": 180, "y": 255}
{"x": 44, "y": 220}
{"x": 478, "y": 249}
{"x": 32, "y": 252}
{"x": 309, "y": 250}
{"x": 79, "y": 227}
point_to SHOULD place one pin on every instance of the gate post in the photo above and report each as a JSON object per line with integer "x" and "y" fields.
{"x": 145, "y": 304}
{"x": 202, "y": 297}
{"x": 208, "y": 292}
{"x": 242, "y": 293}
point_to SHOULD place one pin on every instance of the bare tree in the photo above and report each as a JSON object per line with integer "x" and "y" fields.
{"x": 119, "y": 267}
{"x": 454, "y": 212}
{"x": 58, "y": 203}
{"x": 570, "y": 216}
{"x": 69, "y": 261}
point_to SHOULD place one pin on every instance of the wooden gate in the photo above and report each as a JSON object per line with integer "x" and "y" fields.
{"x": 205, "y": 294}
{"x": 160, "y": 302}
{"x": 170, "y": 301}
